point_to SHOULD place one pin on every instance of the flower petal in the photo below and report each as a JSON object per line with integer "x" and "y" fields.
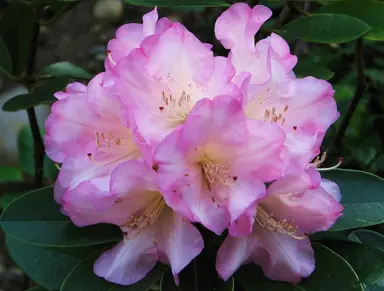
{"x": 130, "y": 260}
{"x": 281, "y": 257}
{"x": 179, "y": 242}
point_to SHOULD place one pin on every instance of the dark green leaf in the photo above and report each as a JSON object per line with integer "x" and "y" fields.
{"x": 373, "y": 287}
{"x": 81, "y": 253}
{"x": 369, "y": 11}
{"x": 82, "y": 278}
{"x": 368, "y": 237}
{"x": 5, "y": 59}
{"x": 35, "y": 218}
{"x": 168, "y": 3}
{"x": 42, "y": 95}
{"x": 7, "y": 198}
{"x": 17, "y": 35}
{"x": 306, "y": 68}
{"x": 37, "y": 289}
{"x": 66, "y": 69}
{"x": 362, "y": 198}
{"x": 332, "y": 273}
{"x": 367, "y": 261}
{"x": 326, "y": 28}
{"x": 26, "y": 158}
{"x": 45, "y": 266}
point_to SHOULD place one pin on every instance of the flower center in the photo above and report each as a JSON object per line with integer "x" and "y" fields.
{"x": 267, "y": 220}
{"x": 213, "y": 171}
{"x": 271, "y": 115}
{"x": 175, "y": 110}
{"x": 145, "y": 218}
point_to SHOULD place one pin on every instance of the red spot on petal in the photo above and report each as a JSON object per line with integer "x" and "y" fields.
{"x": 295, "y": 127}
{"x": 155, "y": 167}
{"x": 234, "y": 178}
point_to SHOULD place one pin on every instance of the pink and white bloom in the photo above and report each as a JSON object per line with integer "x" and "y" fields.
{"x": 152, "y": 231}
{"x": 303, "y": 108}
{"x": 85, "y": 132}
{"x": 295, "y": 206}
{"x": 161, "y": 81}
{"x": 129, "y": 36}
{"x": 214, "y": 167}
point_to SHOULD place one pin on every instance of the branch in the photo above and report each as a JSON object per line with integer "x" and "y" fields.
{"x": 284, "y": 15}
{"x": 359, "y": 90}
{"x": 37, "y": 139}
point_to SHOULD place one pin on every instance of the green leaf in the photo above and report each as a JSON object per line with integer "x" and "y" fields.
{"x": 45, "y": 266}
{"x": 26, "y": 158}
{"x": 373, "y": 287}
{"x": 42, "y": 95}
{"x": 10, "y": 174}
{"x": 362, "y": 198}
{"x": 17, "y": 35}
{"x": 332, "y": 273}
{"x": 368, "y": 237}
{"x": 82, "y": 278}
{"x": 367, "y": 261}
{"x": 168, "y": 3}
{"x": 66, "y": 69}
{"x": 306, "y": 68}
{"x": 37, "y": 289}
{"x": 35, "y": 218}
{"x": 326, "y": 28}
{"x": 369, "y": 11}
{"x": 167, "y": 283}
{"x": 7, "y": 198}
{"x": 5, "y": 59}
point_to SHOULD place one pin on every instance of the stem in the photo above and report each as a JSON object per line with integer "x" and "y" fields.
{"x": 359, "y": 90}
{"x": 37, "y": 139}
{"x": 195, "y": 274}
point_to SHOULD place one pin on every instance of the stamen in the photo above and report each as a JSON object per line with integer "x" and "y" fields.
{"x": 109, "y": 56}
{"x": 147, "y": 217}
{"x": 57, "y": 166}
{"x": 215, "y": 171}
{"x": 333, "y": 167}
{"x": 285, "y": 227}
{"x": 318, "y": 161}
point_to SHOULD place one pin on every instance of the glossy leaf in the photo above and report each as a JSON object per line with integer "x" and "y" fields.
{"x": 45, "y": 266}
{"x": 369, "y": 11}
{"x": 368, "y": 237}
{"x": 82, "y": 278}
{"x": 42, "y": 95}
{"x": 373, "y": 287}
{"x": 326, "y": 28}
{"x": 367, "y": 261}
{"x": 332, "y": 273}
{"x": 35, "y": 218}
{"x": 66, "y": 69}
{"x": 167, "y": 3}
{"x": 362, "y": 198}
{"x": 306, "y": 68}
{"x": 7, "y": 198}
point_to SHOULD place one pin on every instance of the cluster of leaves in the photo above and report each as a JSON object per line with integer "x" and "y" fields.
{"x": 59, "y": 256}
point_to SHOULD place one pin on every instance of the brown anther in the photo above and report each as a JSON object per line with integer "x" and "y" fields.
{"x": 89, "y": 156}
{"x": 186, "y": 175}
{"x": 155, "y": 167}
{"x": 286, "y": 108}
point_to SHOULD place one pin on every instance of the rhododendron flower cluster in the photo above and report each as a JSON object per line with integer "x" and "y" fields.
{"x": 170, "y": 137}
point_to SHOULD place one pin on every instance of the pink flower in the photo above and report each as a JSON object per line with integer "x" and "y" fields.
{"x": 161, "y": 81}
{"x": 152, "y": 231}
{"x": 129, "y": 37}
{"x": 214, "y": 167}
{"x": 303, "y": 108}
{"x": 85, "y": 132}
{"x": 295, "y": 206}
